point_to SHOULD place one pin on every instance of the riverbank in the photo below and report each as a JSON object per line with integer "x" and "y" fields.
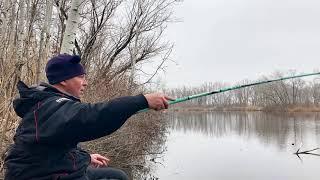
{"x": 247, "y": 108}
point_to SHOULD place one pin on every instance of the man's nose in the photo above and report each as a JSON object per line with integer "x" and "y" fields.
{"x": 85, "y": 83}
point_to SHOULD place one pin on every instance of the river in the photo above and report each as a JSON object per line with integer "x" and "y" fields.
{"x": 241, "y": 146}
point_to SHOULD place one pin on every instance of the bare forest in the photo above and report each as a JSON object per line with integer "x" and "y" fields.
{"x": 299, "y": 94}
{"x": 114, "y": 38}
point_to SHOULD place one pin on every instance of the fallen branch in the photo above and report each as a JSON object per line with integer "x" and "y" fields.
{"x": 306, "y": 152}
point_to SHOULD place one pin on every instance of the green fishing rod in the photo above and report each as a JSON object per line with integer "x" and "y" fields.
{"x": 179, "y": 100}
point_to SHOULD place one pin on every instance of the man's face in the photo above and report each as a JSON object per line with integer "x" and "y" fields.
{"x": 75, "y": 86}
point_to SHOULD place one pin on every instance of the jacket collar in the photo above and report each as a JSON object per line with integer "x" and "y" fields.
{"x": 48, "y": 87}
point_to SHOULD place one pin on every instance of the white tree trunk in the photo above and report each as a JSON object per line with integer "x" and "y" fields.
{"x": 48, "y": 35}
{"x": 44, "y": 33}
{"x": 10, "y": 33}
{"x": 71, "y": 28}
{"x": 4, "y": 17}
{"x": 21, "y": 29}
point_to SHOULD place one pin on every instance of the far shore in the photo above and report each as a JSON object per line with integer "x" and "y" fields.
{"x": 246, "y": 108}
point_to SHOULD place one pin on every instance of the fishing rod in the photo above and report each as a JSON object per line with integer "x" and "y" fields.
{"x": 179, "y": 100}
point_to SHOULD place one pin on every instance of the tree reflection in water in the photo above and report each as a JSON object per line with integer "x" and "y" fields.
{"x": 282, "y": 130}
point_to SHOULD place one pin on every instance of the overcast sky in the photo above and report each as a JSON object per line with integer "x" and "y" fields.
{"x": 233, "y": 40}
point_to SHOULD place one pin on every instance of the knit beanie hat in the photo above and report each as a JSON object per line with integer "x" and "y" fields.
{"x": 63, "y": 67}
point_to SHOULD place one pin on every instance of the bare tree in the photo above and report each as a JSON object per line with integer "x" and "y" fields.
{"x": 68, "y": 41}
{"x": 108, "y": 36}
{"x": 44, "y": 38}
{"x": 282, "y": 95}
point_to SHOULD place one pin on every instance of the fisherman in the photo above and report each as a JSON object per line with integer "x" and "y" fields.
{"x": 54, "y": 121}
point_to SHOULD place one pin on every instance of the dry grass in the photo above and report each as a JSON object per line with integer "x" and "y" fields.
{"x": 140, "y": 138}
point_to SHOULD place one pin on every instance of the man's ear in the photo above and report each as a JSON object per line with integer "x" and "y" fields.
{"x": 63, "y": 83}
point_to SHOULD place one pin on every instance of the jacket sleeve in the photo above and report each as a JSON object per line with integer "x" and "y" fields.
{"x": 73, "y": 122}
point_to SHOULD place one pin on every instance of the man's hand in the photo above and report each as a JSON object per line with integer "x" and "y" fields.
{"x": 97, "y": 160}
{"x": 157, "y": 101}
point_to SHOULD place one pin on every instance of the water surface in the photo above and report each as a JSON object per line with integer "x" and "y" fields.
{"x": 240, "y": 145}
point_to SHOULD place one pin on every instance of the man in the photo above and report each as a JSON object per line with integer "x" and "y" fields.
{"x": 54, "y": 121}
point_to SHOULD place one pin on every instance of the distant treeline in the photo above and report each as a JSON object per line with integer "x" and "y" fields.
{"x": 288, "y": 93}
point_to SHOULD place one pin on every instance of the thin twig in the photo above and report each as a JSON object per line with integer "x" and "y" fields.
{"x": 306, "y": 152}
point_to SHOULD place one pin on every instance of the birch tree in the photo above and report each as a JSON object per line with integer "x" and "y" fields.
{"x": 21, "y": 29}
{"x": 68, "y": 42}
{"x": 44, "y": 38}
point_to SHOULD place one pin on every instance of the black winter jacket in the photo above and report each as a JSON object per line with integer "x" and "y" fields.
{"x": 53, "y": 123}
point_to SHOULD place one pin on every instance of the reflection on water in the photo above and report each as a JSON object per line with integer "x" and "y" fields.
{"x": 276, "y": 129}
{"x": 240, "y": 145}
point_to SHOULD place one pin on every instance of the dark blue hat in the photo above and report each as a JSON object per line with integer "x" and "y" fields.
{"x": 63, "y": 67}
